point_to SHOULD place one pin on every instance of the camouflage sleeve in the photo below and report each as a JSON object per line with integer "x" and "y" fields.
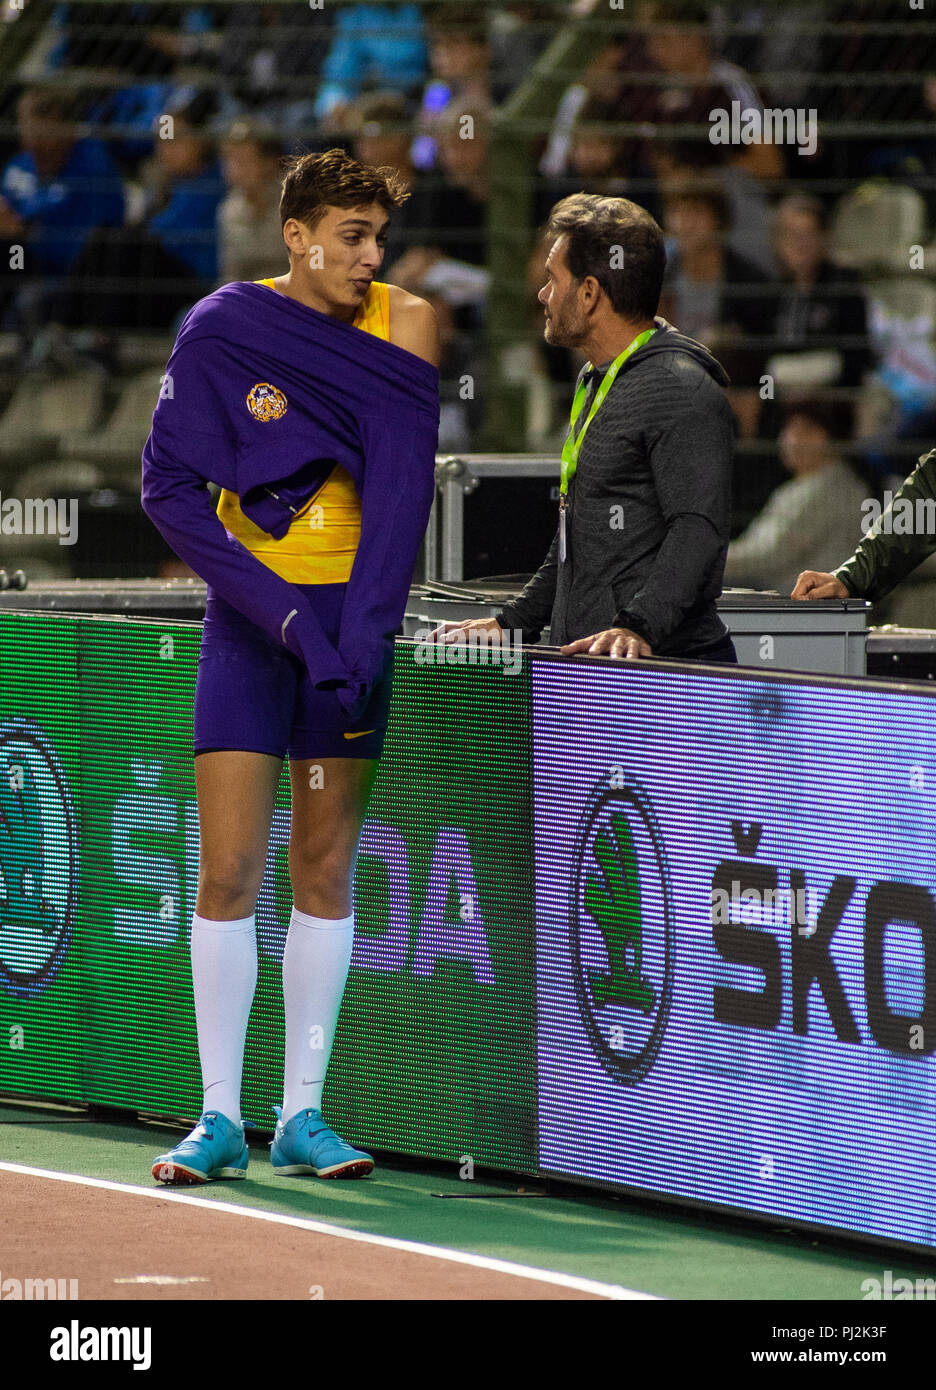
{"x": 902, "y": 537}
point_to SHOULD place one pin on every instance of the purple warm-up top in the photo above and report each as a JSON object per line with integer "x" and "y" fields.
{"x": 328, "y": 394}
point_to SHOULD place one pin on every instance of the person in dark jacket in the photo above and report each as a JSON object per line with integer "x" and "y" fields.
{"x": 709, "y": 289}
{"x": 821, "y": 306}
{"x": 636, "y": 564}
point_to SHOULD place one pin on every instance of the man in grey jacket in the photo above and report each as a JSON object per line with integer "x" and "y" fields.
{"x": 637, "y": 562}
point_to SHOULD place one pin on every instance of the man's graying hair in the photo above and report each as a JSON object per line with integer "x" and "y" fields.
{"x": 618, "y": 243}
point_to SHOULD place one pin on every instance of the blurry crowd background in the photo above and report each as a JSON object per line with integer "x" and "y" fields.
{"x": 140, "y": 170}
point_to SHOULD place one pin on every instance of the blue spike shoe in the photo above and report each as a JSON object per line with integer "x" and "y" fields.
{"x": 216, "y": 1148}
{"x": 306, "y": 1145}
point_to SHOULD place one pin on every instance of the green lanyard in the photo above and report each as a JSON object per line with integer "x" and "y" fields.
{"x": 570, "y": 449}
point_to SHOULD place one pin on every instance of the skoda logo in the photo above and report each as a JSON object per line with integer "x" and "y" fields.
{"x": 38, "y": 860}
{"x": 621, "y": 928}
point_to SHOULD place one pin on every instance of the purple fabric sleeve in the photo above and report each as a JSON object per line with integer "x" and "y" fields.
{"x": 177, "y": 501}
{"x": 393, "y": 522}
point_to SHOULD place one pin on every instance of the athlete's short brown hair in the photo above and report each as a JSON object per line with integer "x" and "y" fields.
{"x": 315, "y": 182}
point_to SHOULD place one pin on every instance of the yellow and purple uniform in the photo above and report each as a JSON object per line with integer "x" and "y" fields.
{"x": 321, "y": 543}
{"x": 254, "y": 695}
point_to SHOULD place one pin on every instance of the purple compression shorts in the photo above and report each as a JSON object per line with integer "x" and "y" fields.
{"x": 254, "y": 695}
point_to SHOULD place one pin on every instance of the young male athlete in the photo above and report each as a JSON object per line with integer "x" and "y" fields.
{"x": 312, "y": 399}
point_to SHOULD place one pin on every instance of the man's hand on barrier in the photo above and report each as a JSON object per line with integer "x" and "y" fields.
{"x": 814, "y": 584}
{"x": 462, "y": 632}
{"x": 614, "y": 641}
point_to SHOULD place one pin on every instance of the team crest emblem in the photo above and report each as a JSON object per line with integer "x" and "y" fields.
{"x": 266, "y": 402}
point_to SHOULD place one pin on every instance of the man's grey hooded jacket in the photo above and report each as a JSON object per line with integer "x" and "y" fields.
{"x": 649, "y": 507}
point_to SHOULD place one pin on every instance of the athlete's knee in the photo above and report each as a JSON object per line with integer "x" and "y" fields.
{"x": 228, "y": 884}
{"x": 320, "y": 867}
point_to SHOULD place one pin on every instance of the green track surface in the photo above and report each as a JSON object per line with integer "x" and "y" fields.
{"x": 641, "y": 1245}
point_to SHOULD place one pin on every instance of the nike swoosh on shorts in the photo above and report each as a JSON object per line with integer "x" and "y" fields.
{"x": 361, "y": 733}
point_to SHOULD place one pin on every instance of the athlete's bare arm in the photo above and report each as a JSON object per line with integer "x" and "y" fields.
{"x": 414, "y": 326}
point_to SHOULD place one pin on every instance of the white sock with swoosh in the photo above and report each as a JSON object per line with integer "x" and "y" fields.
{"x": 224, "y": 977}
{"x": 315, "y": 970}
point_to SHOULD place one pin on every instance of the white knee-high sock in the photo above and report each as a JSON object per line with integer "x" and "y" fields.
{"x": 315, "y": 970}
{"x": 224, "y": 977}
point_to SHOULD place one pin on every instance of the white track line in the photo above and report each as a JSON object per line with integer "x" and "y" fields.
{"x": 462, "y": 1257}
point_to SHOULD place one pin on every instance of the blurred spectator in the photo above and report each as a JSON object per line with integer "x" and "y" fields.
{"x": 872, "y": 58}
{"x": 380, "y": 127}
{"x": 820, "y": 323}
{"x": 705, "y": 281}
{"x": 597, "y": 161}
{"x": 138, "y": 41}
{"x": 190, "y": 188}
{"x": 373, "y": 46}
{"x": 144, "y": 276}
{"x": 133, "y": 39}
{"x": 677, "y": 162}
{"x": 269, "y": 62}
{"x": 660, "y": 74}
{"x": 520, "y": 32}
{"x": 679, "y": 43}
{"x": 713, "y": 294}
{"x": 266, "y": 59}
{"x": 812, "y": 520}
{"x": 59, "y": 187}
{"x": 52, "y": 194}
{"x": 899, "y": 399}
{"x": 781, "y": 44}
{"x": 452, "y": 260}
{"x": 130, "y": 115}
{"x": 612, "y": 87}
{"x": 696, "y": 83}
{"x": 461, "y": 377}
{"x": 459, "y": 60}
{"x": 905, "y": 159}
{"x": 596, "y": 156}
{"x": 250, "y": 229}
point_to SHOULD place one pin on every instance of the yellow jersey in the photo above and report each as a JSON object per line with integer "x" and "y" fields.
{"x": 322, "y": 540}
